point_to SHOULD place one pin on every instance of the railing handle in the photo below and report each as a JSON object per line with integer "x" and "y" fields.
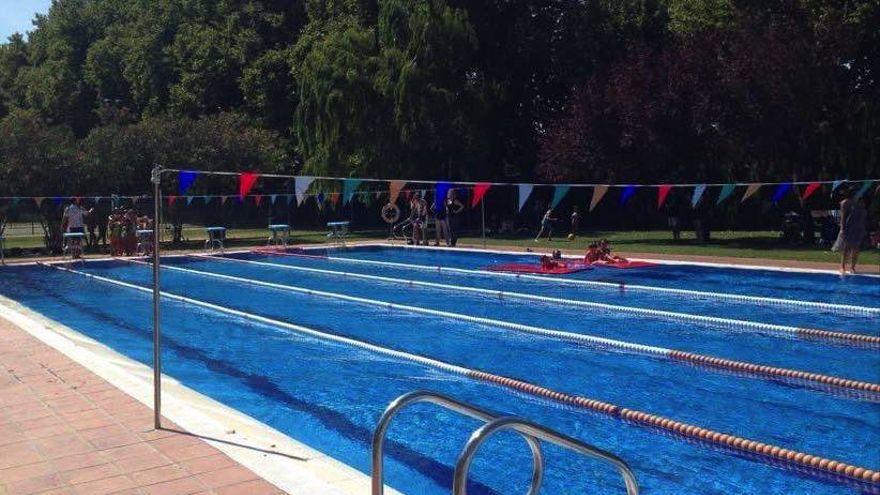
{"x": 532, "y": 430}
{"x": 378, "y": 441}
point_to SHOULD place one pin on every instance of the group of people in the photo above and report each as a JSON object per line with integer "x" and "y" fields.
{"x": 598, "y": 253}
{"x": 547, "y": 224}
{"x": 121, "y": 227}
{"x": 444, "y": 220}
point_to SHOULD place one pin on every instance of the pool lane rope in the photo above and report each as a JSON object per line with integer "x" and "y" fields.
{"x": 671, "y": 354}
{"x": 771, "y": 301}
{"x": 633, "y": 416}
{"x": 813, "y": 334}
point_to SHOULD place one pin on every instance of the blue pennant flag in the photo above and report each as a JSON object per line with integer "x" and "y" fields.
{"x": 185, "y": 180}
{"x": 57, "y": 200}
{"x": 189, "y": 200}
{"x": 780, "y": 192}
{"x": 627, "y": 193}
{"x": 559, "y": 193}
{"x": 440, "y": 194}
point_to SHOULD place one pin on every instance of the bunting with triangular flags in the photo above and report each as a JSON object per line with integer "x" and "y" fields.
{"x": 598, "y": 194}
{"x": 627, "y": 193}
{"x": 662, "y": 193}
{"x": 185, "y": 180}
{"x": 698, "y": 195}
{"x": 525, "y": 190}
{"x": 394, "y": 188}
{"x": 750, "y": 190}
{"x": 780, "y": 192}
{"x": 559, "y": 193}
{"x": 811, "y": 188}
{"x": 480, "y": 190}
{"x": 726, "y": 191}
{"x": 349, "y": 186}
{"x": 246, "y": 181}
{"x": 300, "y": 186}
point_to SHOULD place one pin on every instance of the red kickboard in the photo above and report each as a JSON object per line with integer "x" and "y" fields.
{"x": 625, "y": 265}
{"x": 561, "y": 269}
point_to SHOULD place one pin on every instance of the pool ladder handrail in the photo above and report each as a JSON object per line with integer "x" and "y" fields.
{"x": 531, "y": 432}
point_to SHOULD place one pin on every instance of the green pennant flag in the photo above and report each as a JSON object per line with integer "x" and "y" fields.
{"x": 348, "y": 188}
{"x": 726, "y": 191}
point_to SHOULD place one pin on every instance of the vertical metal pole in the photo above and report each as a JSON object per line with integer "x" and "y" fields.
{"x": 157, "y": 342}
{"x": 483, "y": 214}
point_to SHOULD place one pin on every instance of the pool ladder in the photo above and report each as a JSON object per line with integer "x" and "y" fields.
{"x": 532, "y": 433}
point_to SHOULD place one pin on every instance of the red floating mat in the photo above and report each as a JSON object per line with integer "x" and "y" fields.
{"x": 561, "y": 268}
{"x": 626, "y": 265}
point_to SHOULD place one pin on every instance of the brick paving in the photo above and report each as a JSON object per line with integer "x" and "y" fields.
{"x": 64, "y": 430}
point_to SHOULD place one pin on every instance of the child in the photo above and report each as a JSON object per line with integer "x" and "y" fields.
{"x": 606, "y": 255}
{"x": 592, "y": 254}
{"x": 546, "y": 225}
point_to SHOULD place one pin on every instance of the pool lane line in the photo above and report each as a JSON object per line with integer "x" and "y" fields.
{"x": 813, "y": 334}
{"x": 633, "y": 416}
{"x": 671, "y": 354}
{"x": 772, "y": 301}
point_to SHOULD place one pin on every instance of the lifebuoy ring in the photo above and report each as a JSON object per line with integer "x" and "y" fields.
{"x": 390, "y": 213}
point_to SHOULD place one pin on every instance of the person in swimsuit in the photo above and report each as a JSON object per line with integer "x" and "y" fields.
{"x": 592, "y": 254}
{"x": 852, "y": 231}
{"x": 605, "y": 254}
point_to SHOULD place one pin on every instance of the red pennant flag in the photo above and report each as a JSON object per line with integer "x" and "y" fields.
{"x": 258, "y": 199}
{"x": 171, "y": 200}
{"x": 480, "y": 190}
{"x": 334, "y": 198}
{"x": 662, "y": 194}
{"x": 811, "y": 188}
{"x": 246, "y": 182}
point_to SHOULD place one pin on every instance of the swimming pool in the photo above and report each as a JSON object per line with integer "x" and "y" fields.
{"x": 253, "y": 333}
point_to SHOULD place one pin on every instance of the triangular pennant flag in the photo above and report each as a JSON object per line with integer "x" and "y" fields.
{"x": 751, "y": 190}
{"x": 246, "y": 181}
{"x": 39, "y": 200}
{"x": 223, "y": 200}
{"x": 627, "y": 193}
{"x": 185, "y": 180}
{"x": 394, "y": 188}
{"x": 348, "y": 188}
{"x": 811, "y": 188}
{"x": 598, "y": 194}
{"x": 862, "y": 190}
{"x": 440, "y": 193}
{"x": 662, "y": 194}
{"x": 726, "y": 191}
{"x": 273, "y": 198}
{"x": 288, "y": 198}
{"x": 300, "y": 185}
{"x": 208, "y": 199}
{"x": 780, "y": 192}
{"x": 479, "y": 191}
{"x": 171, "y": 200}
{"x": 559, "y": 193}
{"x": 525, "y": 190}
{"x": 334, "y": 199}
{"x": 698, "y": 194}
{"x": 97, "y": 199}
{"x": 836, "y": 184}
{"x": 14, "y": 201}
{"x": 189, "y": 200}
{"x": 258, "y": 199}
{"x": 320, "y": 198}
{"x": 57, "y": 200}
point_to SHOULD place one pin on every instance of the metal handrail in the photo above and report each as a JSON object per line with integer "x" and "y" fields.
{"x": 462, "y": 467}
{"x": 378, "y": 478}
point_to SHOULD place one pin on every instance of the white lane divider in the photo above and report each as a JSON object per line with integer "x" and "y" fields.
{"x": 766, "y": 452}
{"x": 810, "y": 333}
{"x": 672, "y": 354}
{"x": 772, "y": 301}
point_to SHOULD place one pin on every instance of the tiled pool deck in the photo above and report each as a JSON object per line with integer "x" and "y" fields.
{"x": 64, "y": 430}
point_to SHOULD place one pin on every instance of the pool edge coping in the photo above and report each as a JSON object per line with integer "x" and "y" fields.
{"x": 243, "y": 438}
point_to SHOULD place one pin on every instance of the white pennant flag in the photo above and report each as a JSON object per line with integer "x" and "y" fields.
{"x": 525, "y": 190}
{"x": 300, "y": 185}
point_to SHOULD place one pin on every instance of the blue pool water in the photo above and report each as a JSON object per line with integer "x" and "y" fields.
{"x": 330, "y": 395}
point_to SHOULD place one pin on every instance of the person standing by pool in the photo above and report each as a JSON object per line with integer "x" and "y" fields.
{"x": 72, "y": 220}
{"x": 575, "y": 221}
{"x": 441, "y": 224}
{"x": 546, "y": 225}
{"x": 453, "y": 208}
{"x": 852, "y": 230}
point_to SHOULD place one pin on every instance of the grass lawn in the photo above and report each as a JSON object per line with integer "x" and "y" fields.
{"x": 760, "y": 244}
{"x": 743, "y": 244}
